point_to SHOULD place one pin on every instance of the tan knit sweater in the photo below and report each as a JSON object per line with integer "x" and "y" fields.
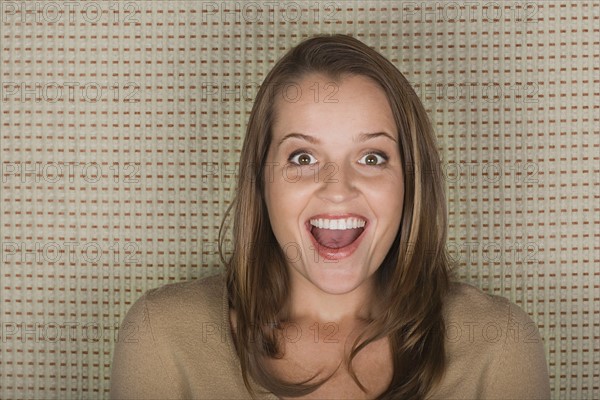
{"x": 175, "y": 343}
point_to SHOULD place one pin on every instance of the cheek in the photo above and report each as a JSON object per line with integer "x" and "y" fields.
{"x": 283, "y": 199}
{"x": 289, "y": 182}
{"x": 286, "y": 202}
{"x": 387, "y": 199}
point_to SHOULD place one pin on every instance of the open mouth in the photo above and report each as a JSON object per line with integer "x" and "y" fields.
{"x": 336, "y": 233}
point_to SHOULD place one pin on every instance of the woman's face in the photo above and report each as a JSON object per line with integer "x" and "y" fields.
{"x": 333, "y": 180}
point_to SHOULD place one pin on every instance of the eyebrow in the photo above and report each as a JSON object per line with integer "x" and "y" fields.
{"x": 363, "y": 137}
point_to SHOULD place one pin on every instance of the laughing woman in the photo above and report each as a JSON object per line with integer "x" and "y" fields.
{"x": 339, "y": 283}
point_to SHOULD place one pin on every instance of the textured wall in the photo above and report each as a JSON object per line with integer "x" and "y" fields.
{"x": 122, "y": 123}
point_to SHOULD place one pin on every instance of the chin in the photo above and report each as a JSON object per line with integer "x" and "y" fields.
{"x": 336, "y": 281}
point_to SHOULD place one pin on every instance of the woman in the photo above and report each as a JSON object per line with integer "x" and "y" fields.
{"x": 338, "y": 285}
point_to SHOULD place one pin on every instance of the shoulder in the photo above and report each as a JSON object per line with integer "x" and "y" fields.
{"x": 169, "y": 338}
{"x": 204, "y": 290}
{"x": 170, "y": 318}
{"x": 473, "y": 317}
{"x": 467, "y": 302}
{"x": 493, "y": 317}
{"x": 173, "y": 309}
{"x": 176, "y": 302}
{"x": 493, "y": 346}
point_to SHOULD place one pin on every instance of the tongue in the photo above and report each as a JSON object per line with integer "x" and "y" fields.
{"x": 335, "y": 238}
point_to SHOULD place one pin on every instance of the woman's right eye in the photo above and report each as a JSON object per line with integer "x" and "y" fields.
{"x": 302, "y": 158}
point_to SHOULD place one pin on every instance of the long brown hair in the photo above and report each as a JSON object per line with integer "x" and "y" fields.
{"x": 414, "y": 276}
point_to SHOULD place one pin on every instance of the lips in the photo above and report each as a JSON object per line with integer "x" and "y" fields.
{"x": 336, "y": 236}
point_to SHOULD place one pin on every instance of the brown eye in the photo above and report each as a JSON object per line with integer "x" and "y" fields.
{"x": 304, "y": 159}
{"x": 301, "y": 158}
{"x": 371, "y": 159}
{"x": 374, "y": 159}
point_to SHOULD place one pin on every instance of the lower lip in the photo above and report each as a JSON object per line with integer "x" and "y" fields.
{"x": 336, "y": 254}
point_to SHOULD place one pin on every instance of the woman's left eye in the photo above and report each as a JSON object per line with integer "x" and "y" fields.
{"x": 374, "y": 159}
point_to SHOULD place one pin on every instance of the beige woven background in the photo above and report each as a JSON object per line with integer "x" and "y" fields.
{"x": 122, "y": 124}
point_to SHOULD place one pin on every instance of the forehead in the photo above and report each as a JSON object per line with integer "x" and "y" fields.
{"x": 317, "y": 103}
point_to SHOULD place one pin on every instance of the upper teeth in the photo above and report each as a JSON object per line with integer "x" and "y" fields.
{"x": 340, "y": 224}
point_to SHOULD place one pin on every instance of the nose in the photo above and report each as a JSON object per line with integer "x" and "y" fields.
{"x": 337, "y": 182}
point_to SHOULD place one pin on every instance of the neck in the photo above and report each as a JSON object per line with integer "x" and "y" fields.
{"x": 308, "y": 302}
